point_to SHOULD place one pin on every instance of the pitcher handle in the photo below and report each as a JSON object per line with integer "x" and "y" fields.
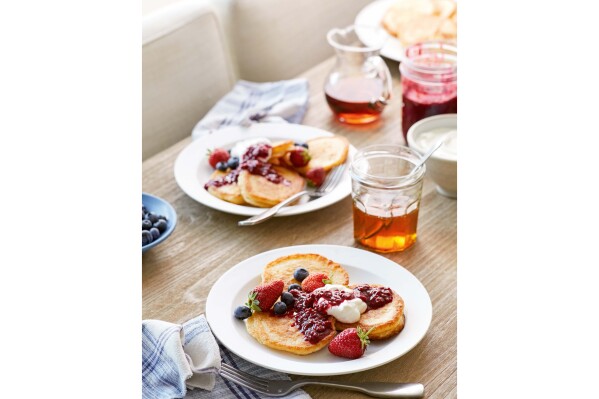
{"x": 385, "y": 75}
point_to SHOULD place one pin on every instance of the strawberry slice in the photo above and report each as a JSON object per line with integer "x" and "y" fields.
{"x": 350, "y": 343}
{"x": 217, "y": 155}
{"x": 299, "y": 156}
{"x": 314, "y": 281}
{"x": 316, "y": 176}
{"x": 264, "y": 296}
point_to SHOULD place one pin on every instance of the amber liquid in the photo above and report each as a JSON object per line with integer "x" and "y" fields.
{"x": 385, "y": 234}
{"x": 353, "y": 100}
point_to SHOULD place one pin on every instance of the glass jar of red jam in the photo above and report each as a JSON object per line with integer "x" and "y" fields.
{"x": 429, "y": 82}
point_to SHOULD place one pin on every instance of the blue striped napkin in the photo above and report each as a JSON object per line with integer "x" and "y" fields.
{"x": 183, "y": 361}
{"x": 249, "y": 102}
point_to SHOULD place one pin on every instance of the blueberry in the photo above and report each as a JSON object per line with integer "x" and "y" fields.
{"x": 162, "y": 217}
{"x": 222, "y": 166}
{"x": 288, "y": 299}
{"x": 233, "y": 162}
{"x": 242, "y": 312}
{"x": 146, "y": 224}
{"x": 280, "y": 308}
{"x": 295, "y": 287}
{"x": 305, "y": 145}
{"x": 300, "y": 274}
{"x": 143, "y": 215}
{"x": 143, "y": 209}
{"x": 155, "y": 233}
{"x": 161, "y": 225}
{"x": 146, "y": 237}
{"x": 152, "y": 217}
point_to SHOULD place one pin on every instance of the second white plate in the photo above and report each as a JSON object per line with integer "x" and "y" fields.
{"x": 192, "y": 170}
{"x": 371, "y": 16}
{"x": 232, "y": 288}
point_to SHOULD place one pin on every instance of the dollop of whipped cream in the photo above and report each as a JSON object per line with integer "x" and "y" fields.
{"x": 348, "y": 311}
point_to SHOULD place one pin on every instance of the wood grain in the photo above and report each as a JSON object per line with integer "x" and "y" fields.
{"x": 178, "y": 274}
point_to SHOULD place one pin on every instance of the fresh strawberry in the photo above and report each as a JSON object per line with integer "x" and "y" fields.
{"x": 350, "y": 343}
{"x": 314, "y": 281}
{"x": 217, "y": 155}
{"x": 316, "y": 176}
{"x": 299, "y": 156}
{"x": 264, "y": 296}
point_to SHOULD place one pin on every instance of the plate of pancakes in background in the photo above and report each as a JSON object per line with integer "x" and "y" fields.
{"x": 192, "y": 170}
{"x": 407, "y": 22}
{"x": 273, "y": 342}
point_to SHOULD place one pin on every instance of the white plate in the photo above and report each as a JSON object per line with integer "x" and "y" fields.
{"x": 192, "y": 170}
{"x": 232, "y": 288}
{"x": 371, "y": 16}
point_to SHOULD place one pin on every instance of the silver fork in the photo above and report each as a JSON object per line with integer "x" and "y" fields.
{"x": 326, "y": 187}
{"x": 282, "y": 388}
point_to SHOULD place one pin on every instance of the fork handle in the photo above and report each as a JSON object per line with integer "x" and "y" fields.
{"x": 270, "y": 212}
{"x": 375, "y": 389}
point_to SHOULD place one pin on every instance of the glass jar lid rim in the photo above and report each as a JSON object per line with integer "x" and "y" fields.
{"x": 389, "y": 182}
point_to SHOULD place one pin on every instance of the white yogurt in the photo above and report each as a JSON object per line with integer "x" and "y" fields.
{"x": 347, "y": 311}
{"x": 334, "y": 287}
{"x": 241, "y": 147}
{"x": 449, "y": 149}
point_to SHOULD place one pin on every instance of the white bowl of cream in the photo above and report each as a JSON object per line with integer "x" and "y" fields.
{"x": 442, "y": 166}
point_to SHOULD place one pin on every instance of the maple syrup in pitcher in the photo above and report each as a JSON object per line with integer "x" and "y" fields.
{"x": 386, "y": 197}
{"x": 358, "y": 87}
{"x": 353, "y": 100}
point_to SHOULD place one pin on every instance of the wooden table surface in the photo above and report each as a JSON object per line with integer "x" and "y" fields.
{"x": 178, "y": 274}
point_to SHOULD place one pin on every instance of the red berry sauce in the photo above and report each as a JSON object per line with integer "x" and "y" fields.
{"x": 254, "y": 161}
{"x": 375, "y": 297}
{"x": 310, "y": 309}
{"x": 313, "y": 324}
{"x": 324, "y": 300}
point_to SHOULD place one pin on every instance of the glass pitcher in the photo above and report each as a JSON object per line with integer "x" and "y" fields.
{"x": 359, "y": 86}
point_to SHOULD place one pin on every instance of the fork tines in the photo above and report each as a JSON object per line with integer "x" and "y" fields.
{"x": 242, "y": 378}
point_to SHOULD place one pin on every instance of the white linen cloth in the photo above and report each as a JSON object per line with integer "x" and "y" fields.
{"x": 177, "y": 359}
{"x": 249, "y": 102}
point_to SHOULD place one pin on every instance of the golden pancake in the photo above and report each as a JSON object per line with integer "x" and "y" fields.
{"x": 282, "y": 269}
{"x": 386, "y": 321}
{"x": 258, "y": 191}
{"x": 228, "y": 192}
{"x": 326, "y": 152}
{"x": 278, "y": 333}
{"x": 279, "y": 148}
{"x": 414, "y": 21}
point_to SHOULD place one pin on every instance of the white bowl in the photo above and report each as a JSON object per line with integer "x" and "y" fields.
{"x": 442, "y": 166}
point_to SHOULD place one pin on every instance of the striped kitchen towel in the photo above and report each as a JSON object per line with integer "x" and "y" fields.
{"x": 249, "y": 102}
{"x": 183, "y": 361}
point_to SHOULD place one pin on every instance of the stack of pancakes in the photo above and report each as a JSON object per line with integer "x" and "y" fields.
{"x": 416, "y": 21}
{"x": 279, "y": 333}
{"x": 256, "y": 190}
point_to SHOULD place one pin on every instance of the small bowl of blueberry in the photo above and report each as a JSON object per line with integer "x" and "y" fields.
{"x": 158, "y": 220}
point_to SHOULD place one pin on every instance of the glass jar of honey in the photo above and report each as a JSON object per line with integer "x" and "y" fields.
{"x": 429, "y": 82}
{"x": 386, "y": 192}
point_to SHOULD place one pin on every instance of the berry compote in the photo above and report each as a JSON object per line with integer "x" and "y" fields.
{"x": 429, "y": 82}
{"x": 254, "y": 161}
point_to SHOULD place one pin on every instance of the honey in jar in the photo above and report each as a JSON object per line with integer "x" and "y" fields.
{"x": 386, "y": 197}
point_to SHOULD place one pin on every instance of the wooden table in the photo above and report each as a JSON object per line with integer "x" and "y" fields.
{"x": 178, "y": 274}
